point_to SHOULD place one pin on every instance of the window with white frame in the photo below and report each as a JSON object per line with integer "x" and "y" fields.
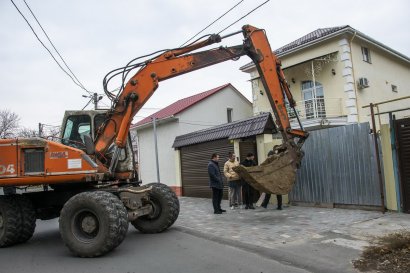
{"x": 314, "y": 99}
{"x": 229, "y": 112}
{"x": 366, "y": 55}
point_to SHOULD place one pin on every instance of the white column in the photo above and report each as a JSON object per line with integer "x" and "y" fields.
{"x": 350, "y": 102}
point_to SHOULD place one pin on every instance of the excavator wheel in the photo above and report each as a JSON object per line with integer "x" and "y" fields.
{"x": 10, "y": 221}
{"x": 93, "y": 223}
{"x": 165, "y": 210}
{"x": 28, "y": 218}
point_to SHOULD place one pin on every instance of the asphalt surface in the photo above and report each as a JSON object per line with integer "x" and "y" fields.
{"x": 171, "y": 251}
{"x": 295, "y": 239}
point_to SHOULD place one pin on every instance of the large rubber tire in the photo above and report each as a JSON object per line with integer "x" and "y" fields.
{"x": 165, "y": 205}
{"x": 93, "y": 223}
{"x": 10, "y": 221}
{"x": 28, "y": 218}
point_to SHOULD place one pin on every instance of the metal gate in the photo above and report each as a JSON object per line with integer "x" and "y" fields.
{"x": 339, "y": 167}
{"x": 194, "y": 166}
{"x": 403, "y": 140}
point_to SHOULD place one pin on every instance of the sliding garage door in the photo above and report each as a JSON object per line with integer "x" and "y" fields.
{"x": 194, "y": 166}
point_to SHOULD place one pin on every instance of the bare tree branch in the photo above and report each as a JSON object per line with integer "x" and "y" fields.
{"x": 9, "y": 124}
{"x": 27, "y": 132}
{"x": 52, "y": 132}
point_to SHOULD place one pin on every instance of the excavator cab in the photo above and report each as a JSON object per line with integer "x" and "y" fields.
{"x": 79, "y": 130}
{"x": 77, "y": 124}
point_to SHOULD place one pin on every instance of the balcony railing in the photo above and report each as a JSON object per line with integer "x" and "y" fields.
{"x": 318, "y": 108}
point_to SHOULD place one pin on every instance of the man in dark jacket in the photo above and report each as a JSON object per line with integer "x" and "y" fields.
{"x": 246, "y": 188}
{"x": 215, "y": 183}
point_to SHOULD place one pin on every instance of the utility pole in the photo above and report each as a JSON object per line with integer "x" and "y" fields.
{"x": 94, "y": 98}
{"x": 154, "y": 123}
{"x": 40, "y": 129}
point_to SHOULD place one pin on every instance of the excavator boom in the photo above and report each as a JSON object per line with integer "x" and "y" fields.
{"x": 176, "y": 62}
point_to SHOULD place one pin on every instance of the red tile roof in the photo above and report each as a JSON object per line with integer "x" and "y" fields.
{"x": 180, "y": 105}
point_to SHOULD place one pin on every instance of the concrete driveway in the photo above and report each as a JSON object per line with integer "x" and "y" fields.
{"x": 316, "y": 239}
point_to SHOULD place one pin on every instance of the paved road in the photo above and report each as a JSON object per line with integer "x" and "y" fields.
{"x": 316, "y": 239}
{"x": 171, "y": 251}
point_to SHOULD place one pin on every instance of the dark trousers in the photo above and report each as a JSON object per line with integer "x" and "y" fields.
{"x": 247, "y": 193}
{"x": 216, "y": 198}
{"x": 267, "y": 198}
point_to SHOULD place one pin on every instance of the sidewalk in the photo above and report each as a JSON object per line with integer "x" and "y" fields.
{"x": 316, "y": 239}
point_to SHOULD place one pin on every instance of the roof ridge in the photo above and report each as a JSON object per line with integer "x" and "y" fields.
{"x": 213, "y": 89}
{"x": 181, "y": 104}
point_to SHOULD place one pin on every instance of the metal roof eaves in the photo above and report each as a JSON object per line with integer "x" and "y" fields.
{"x": 237, "y": 129}
{"x": 315, "y": 41}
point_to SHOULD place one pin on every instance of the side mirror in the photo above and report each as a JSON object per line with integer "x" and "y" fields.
{"x": 89, "y": 144}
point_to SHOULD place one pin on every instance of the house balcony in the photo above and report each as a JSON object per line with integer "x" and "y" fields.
{"x": 319, "y": 113}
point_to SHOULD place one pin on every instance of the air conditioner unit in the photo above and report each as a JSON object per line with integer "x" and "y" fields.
{"x": 363, "y": 83}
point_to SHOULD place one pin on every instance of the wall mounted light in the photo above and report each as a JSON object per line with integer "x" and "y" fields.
{"x": 261, "y": 92}
{"x": 293, "y": 80}
{"x": 333, "y": 71}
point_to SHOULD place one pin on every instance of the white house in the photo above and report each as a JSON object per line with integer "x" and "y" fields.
{"x": 213, "y": 107}
{"x": 333, "y": 73}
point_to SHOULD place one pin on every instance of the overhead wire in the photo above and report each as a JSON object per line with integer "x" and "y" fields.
{"x": 48, "y": 50}
{"x": 237, "y": 4}
{"x": 87, "y": 104}
{"x": 244, "y": 16}
{"x": 128, "y": 68}
{"x": 125, "y": 70}
{"x": 52, "y": 44}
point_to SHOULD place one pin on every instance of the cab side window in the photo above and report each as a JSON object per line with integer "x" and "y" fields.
{"x": 75, "y": 129}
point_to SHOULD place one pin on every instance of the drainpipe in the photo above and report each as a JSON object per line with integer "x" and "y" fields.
{"x": 154, "y": 123}
{"x": 353, "y": 74}
{"x": 379, "y": 168}
{"x": 395, "y": 162}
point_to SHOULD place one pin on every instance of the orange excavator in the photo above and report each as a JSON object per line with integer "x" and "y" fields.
{"x": 90, "y": 174}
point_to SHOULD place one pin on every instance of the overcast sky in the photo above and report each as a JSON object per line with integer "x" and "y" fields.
{"x": 95, "y": 37}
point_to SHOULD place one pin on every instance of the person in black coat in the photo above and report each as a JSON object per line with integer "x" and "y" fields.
{"x": 215, "y": 183}
{"x": 267, "y": 195}
{"x": 267, "y": 198}
{"x": 247, "y": 189}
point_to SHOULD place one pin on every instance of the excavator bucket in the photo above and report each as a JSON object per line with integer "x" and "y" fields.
{"x": 276, "y": 175}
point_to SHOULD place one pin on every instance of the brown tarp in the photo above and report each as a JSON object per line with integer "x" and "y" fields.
{"x": 276, "y": 175}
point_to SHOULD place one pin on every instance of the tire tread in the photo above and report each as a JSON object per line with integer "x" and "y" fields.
{"x": 117, "y": 222}
{"x": 164, "y": 221}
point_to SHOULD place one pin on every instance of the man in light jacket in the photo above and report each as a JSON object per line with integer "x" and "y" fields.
{"x": 233, "y": 180}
